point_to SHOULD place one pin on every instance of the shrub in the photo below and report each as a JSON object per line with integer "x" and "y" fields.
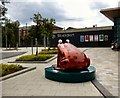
{"x": 47, "y": 51}
{"x": 40, "y": 57}
{"x": 8, "y": 69}
{"x": 26, "y": 58}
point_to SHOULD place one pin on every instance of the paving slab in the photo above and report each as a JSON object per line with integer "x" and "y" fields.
{"x": 106, "y": 62}
{"x": 34, "y": 83}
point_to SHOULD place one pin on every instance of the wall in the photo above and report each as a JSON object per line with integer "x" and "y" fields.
{"x": 79, "y": 39}
{"x": 117, "y": 29}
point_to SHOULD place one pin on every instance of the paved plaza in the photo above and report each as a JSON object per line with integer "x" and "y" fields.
{"x": 34, "y": 83}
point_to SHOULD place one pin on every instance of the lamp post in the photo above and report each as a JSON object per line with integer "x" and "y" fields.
{"x": 32, "y": 44}
{"x": 26, "y": 28}
{"x": 26, "y": 35}
{"x": 36, "y": 46}
{"x": 19, "y": 37}
{"x": 6, "y": 38}
{"x": 44, "y": 41}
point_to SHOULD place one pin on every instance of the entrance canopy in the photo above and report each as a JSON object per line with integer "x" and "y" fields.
{"x": 111, "y": 13}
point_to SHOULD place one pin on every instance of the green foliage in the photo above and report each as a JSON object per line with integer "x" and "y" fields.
{"x": 36, "y": 31}
{"x": 47, "y": 51}
{"x": 8, "y": 69}
{"x": 40, "y": 57}
{"x": 44, "y": 27}
{"x": 10, "y": 29}
{"x": 26, "y": 58}
{"x": 3, "y": 9}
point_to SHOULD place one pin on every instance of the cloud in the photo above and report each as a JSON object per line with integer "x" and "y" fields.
{"x": 23, "y": 11}
{"x": 67, "y": 19}
{"x": 74, "y": 19}
{"x": 98, "y": 5}
{"x": 75, "y": 13}
{"x": 52, "y": 10}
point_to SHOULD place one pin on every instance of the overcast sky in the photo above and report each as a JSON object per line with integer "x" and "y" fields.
{"x": 67, "y": 13}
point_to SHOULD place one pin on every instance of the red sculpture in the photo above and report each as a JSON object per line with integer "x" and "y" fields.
{"x": 70, "y": 58}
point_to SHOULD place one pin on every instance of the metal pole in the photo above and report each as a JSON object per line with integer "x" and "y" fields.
{"x": 26, "y": 28}
{"x": 26, "y": 35}
{"x": 6, "y": 39}
{"x": 36, "y": 46}
{"x": 19, "y": 37}
{"x": 44, "y": 42}
{"x": 32, "y": 44}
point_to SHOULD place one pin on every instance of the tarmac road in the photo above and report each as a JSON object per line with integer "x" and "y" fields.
{"x": 10, "y": 54}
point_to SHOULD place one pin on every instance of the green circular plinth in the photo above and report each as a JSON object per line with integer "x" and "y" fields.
{"x": 70, "y": 77}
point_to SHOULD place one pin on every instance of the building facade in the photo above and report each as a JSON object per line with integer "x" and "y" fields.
{"x": 85, "y": 37}
{"x": 24, "y": 32}
{"x": 95, "y": 36}
{"x": 114, "y": 15}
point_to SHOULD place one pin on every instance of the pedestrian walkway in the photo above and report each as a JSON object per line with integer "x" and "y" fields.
{"x": 106, "y": 62}
{"x": 34, "y": 83}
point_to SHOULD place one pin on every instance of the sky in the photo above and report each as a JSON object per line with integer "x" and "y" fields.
{"x": 67, "y": 13}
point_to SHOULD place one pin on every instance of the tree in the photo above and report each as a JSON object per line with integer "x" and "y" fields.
{"x": 11, "y": 30}
{"x": 3, "y": 11}
{"x": 44, "y": 27}
{"x": 37, "y": 18}
{"x": 49, "y": 29}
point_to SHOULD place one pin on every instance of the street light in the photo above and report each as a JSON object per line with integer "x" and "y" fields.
{"x": 32, "y": 44}
{"x": 26, "y": 28}
{"x": 19, "y": 36}
{"x": 32, "y": 40}
{"x": 36, "y": 46}
{"x": 6, "y": 37}
{"x": 26, "y": 35}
